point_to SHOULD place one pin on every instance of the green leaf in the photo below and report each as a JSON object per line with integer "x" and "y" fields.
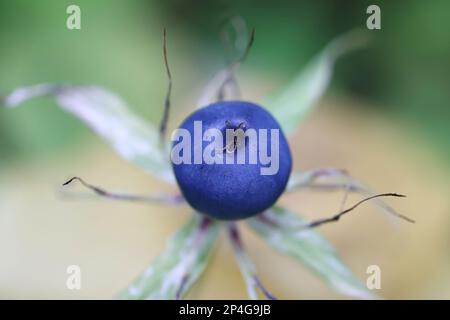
{"x": 108, "y": 116}
{"x": 180, "y": 265}
{"x": 248, "y": 269}
{"x": 292, "y": 104}
{"x": 338, "y": 179}
{"x": 310, "y": 248}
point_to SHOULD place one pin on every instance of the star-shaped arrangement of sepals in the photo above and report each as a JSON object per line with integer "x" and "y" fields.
{"x": 186, "y": 256}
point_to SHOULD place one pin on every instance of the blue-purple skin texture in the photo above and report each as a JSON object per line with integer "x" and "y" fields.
{"x": 232, "y": 191}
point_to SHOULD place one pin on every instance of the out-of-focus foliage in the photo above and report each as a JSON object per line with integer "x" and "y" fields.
{"x": 403, "y": 73}
{"x": 309, "y": 248}
{"x": 180, "y": 265}
{"x": 118, "y": 46}
{"x": 405, "y": 70}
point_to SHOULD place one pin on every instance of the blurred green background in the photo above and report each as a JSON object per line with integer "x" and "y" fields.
{"x": 386, "y": 117}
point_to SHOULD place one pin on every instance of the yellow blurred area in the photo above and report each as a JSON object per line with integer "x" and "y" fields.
{"x": 42, "y": 232}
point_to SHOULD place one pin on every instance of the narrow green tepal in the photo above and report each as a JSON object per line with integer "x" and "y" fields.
{"x": 109, "y": 117}
{"x": 291, "y": 104}
{"x": 174, "y": 272}
{"x": 310, "y": 248}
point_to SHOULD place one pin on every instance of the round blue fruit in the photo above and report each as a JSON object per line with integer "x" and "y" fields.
{"x": 247, "y": 176}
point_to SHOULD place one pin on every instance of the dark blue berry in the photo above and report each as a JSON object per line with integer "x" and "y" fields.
{"x": 232, "y": 191}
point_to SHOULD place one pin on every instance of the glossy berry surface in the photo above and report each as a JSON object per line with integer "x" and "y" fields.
{"x": 233, "y": 191}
